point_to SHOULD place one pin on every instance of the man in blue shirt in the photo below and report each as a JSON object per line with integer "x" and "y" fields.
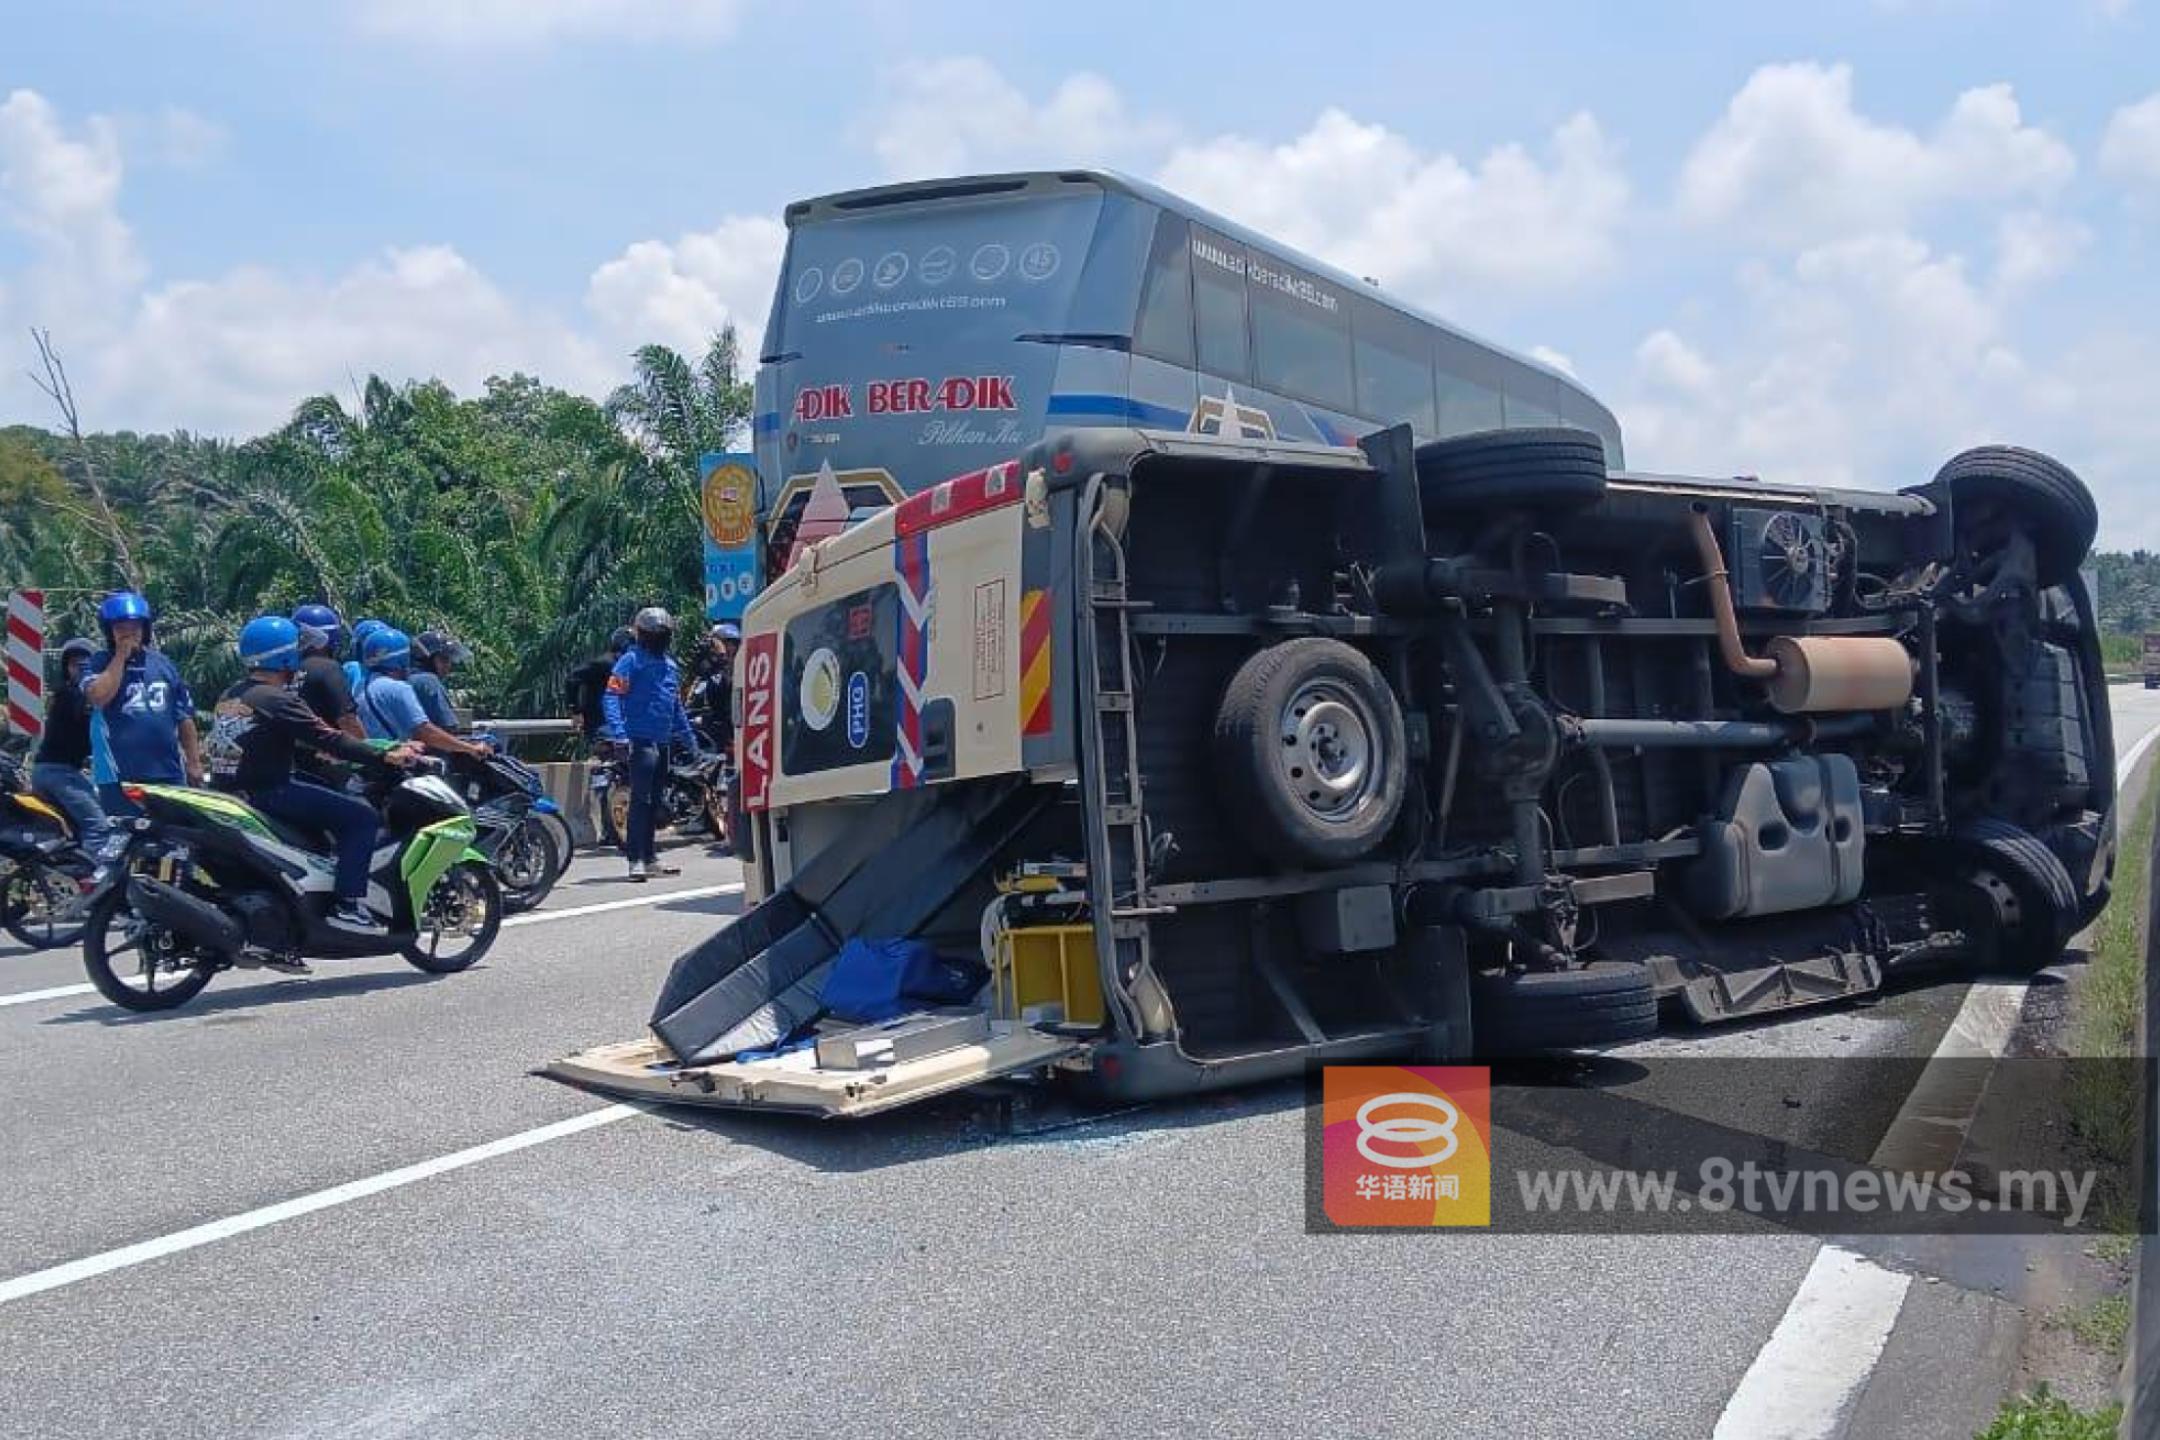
{"x": 142, "y": 718}
{"x": 389, "y": 710}
{"x": 643, "y": 705}
{"x": 434, "y": 656}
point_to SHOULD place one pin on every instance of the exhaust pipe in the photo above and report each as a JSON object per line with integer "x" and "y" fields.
{"x": 196, "y": 921}
{"x": 1804, "y": 674}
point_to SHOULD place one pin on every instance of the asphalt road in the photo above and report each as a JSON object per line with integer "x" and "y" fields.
{"x": 927, "y": 1273}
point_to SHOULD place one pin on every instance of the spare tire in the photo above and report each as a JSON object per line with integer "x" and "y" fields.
{"x": 1545, "y": 469}
{"x": 2037, "y": 493}
{"x": 2043, "y": 907}
{"x": 1309, "y": 752}
{"x": 1530, "y": 1012}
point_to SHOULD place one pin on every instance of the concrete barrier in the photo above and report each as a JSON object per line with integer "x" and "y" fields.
{"x": 569, "y": 785}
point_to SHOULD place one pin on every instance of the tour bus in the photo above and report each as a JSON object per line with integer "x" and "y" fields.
{"x": 923, "y": 330}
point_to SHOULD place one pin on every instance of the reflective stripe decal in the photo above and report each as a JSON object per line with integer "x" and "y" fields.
{"x": 1035, "y": 662}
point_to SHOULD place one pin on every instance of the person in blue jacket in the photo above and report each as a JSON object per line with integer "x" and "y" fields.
{"x": 643, "y": 707}
{"x": 356, "y": 668}
{"x": 142, "y": 717}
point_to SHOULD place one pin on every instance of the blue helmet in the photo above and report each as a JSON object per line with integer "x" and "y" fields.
{"x": 325, "y": 619}
{"x": 387, "y": 649}
{"x": 124, "y": 605}
{"x": 360, "y": 631}
{"x": 270, "y": 642}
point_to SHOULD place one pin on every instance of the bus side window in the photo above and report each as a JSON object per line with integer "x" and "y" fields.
{"x": 1469, "y": 387}
{"x": 1532, "y": 399}
{"x": 1219, "y": 304}
{"x": 1164, "y": 327}
{"x": 1394, "y": 368}
{"x": 1301, "y": 335}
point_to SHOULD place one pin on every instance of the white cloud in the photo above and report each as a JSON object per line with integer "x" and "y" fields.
{"x": 2130, "y": 150}
{"x": 945, "y": 117}
{"x": 2031, "y": 247}
{"x": 1424, "y": 224}
{"x": 62, "y": 192}
{"x": 1552, "y": 357}
{"x": 498, "y": 24}
{"x": 684, "y": 293}
{"x": 1791, "y": 160}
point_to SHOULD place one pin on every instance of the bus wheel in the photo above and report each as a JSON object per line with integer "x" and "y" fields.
{"x": 2035, "y": 493}
{"x": 1310, "y": 752}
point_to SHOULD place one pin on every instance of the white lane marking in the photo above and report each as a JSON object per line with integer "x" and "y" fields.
{"x": 58, "y": 992}
{"x": 1821, "y": 1353}
{"x": 1788, "y": 1391}
{"x": 1930, "y": 1126}
{"x": 91, "y": 1266}
{"x": 537, "y": 917}
{"x": 698, "y": 892}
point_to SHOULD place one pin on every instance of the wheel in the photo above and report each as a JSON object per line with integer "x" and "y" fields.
{"x": 1545, "y": 469}
{"x": 33, "y": 907}
{"x": 1310, "y": 753}
{"x": 526, "y": 865}
{"x": 716, "y": 817}
{"x": 2035, "y": 492}
{"x": 615, "y": 815}
{"x": 1533, "y": 1011}
{"x": 459, "y": 922}
{"x": 564, "y": 841}
{"x": 2029, "y": 895}
{"x": 135, "y": 964}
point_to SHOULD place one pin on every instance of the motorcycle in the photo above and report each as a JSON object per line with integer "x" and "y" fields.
{"x": 693, "y": 794}
{"x": 46, "y": 881}
{"x": 212, "y": 884}
{"x": 520, "y": 829}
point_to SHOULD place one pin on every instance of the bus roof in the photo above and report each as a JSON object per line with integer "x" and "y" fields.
{"x": 846, "y": 203}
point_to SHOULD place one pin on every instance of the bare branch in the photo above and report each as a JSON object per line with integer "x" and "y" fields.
{"x": 54, "y": 382}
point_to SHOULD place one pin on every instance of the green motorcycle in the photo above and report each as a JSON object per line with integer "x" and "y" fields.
{"x": 214, "y": 884}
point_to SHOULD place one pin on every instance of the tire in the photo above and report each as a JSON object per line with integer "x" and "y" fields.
{"x": 565, "y": 842}
{"x": 110, "y": 916}
{"x": 2041, "y": 495}
{"x": 1309, "y": 753}
{"x": 526, "y": 865}
{"x": 1548, "y": 469}
{"x": 1532, "y": 1012}
{"x": 615, "y": 815}
{"x": 482, "y": 891}
{"x": 30, "y": 899}
{"x": 2047, "y": 899}
{"x": 716, "y": 819}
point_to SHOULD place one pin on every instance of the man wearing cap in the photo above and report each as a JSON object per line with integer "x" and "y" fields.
{"x": 57, "y": 771}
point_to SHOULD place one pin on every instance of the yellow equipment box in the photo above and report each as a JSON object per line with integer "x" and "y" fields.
{"x": 1046, "y": 967}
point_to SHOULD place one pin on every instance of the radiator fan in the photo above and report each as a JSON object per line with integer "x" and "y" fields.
{"x": 1783, "y": 562}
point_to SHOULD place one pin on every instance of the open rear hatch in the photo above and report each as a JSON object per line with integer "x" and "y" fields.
{"x": 797, "y": 1083}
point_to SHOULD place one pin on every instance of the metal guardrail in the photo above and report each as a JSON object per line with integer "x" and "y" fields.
{"x": 527, "y": 727}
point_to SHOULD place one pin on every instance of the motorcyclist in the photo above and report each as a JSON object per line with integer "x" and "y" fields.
{"x": 57, "y": 768}
{"x": 142, "y": 717}
{"x": 355, "y": 668}
{"x": 643, "y": 708}
{"x": 712, "y": 684}
{"x": 259, "y": 723}
{"x": 322, "y": 681}
{"x": 435, "y": 654}
{"x": 388, "y": 707}
{"x": 588, "y": 682}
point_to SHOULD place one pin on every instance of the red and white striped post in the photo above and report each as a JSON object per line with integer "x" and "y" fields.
{"x": 26, "y": 662}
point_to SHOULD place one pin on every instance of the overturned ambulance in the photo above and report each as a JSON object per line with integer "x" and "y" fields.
{"x": 1225, "y": 755}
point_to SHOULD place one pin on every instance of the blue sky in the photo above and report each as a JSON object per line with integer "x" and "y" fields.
{"x": 1833, "y": 242}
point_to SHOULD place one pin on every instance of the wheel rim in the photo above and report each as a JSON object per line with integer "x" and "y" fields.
{"x": 36, "y": 902}
{"x": 456, "y": 918}
{"x": 147, "y": 959}
{"x": 524, "y": 861}
{"x": 618, "y": 809}
{"x": 1329, "y": 750}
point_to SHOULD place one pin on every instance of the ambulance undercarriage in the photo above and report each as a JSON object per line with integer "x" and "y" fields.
{"x": 1224, "y": 757}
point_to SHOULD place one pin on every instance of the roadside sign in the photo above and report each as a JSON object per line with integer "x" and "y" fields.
{"x": 727, "y": 487}
{"x": 26, "y": 662}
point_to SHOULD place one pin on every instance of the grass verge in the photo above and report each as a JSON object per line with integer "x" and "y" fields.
{"x": 2104, "y": 1099}
{"x": 2044, "y": 1415}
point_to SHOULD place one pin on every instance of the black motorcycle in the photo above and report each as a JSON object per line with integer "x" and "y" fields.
{"x": 693, "y": 794}
{"x": 521, "y": 830}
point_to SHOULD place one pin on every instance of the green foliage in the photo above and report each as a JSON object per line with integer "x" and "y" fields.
{"x": 526, "y": 521}
{"x": 2044, "y": 1415}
